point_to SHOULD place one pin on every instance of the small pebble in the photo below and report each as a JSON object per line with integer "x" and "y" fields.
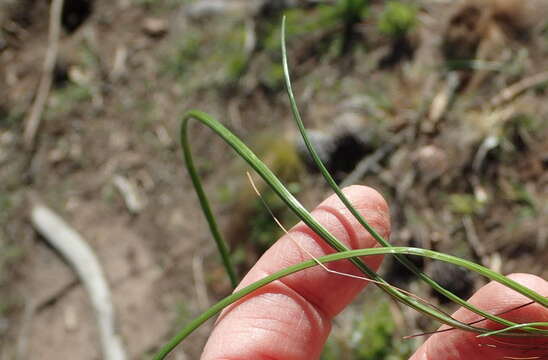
{"x": 155, "y": 27}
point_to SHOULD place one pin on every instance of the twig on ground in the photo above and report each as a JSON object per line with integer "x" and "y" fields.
{"x": 250, "y": 42}
{"x": 472, "y": 238}
{"x": 369, "y": 162}
{"x": 235, "y": 115}
{"x": 81, "y": 257}
{"x": 131, "y": 196}
{"x": 440, "y": 103}
{"x": 26, "y": 321}
{"x": 514, "y": 90}
{"x": 488, "y": 144}
{"x": 32, "y": 123}
{"x": 119, "y": 69}
{"x": 199, "y": 281}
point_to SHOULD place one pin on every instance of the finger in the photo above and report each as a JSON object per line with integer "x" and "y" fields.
{"x": 495, "y": 299}
{"x": 291, "y": 318}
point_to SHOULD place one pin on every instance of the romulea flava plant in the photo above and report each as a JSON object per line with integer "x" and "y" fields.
{"x": 508, "y": 328}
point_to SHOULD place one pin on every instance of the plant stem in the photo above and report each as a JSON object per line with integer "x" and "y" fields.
{"x": 221, "y": 243}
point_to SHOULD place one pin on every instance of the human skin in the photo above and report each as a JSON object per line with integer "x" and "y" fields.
{"x": 291, "y": 317}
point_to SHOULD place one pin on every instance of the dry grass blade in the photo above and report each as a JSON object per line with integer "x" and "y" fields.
{"x": 514, "y": 90}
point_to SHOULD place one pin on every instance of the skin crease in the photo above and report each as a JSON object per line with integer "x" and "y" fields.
{"x": 291, "y": 318}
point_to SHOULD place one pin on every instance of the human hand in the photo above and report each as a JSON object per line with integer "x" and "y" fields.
{"x": 291, "y": 318}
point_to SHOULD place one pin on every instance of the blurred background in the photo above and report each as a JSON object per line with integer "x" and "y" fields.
{"x": 440, "y": 105}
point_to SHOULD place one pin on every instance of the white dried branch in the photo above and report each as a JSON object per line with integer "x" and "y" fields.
{"x": 82, "y": 258}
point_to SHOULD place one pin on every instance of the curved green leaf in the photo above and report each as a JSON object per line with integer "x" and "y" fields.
{"x": 212, "y": 311}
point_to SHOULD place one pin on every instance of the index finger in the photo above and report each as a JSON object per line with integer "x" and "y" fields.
{"x": 291, "y": 318}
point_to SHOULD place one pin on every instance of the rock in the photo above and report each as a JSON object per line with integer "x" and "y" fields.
{"x": 324, "y": 145}
{"x": 349, "y": 150}
{"x": 75, "y": 13}
{"x": 207, "y": 8}
{"x": 340, "y": 148}
{"x": 432, "y": 162}
{"x": 155, "y": 27}
{"x": 455, "y": 279}
{"x": 398, "y": 274}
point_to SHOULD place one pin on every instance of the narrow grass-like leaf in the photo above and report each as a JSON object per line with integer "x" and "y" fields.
{"x": 204, "y": 203}
{"x": 327, "y": 176}
{"x": 215, "y": 309}
{"x": 299, "y": 210}
{"x": 307, "y": 218}
{"x": 515, "y": 327}
{"x": 353, "y": 256}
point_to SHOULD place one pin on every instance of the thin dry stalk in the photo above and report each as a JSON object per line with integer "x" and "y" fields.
{"x": 473, "y": 240}
{"x": 130, "y": 194}
{"x": 516, "y": 89}
{"x": 440, "y": 103}
{"x": 200, "y": 282}
{"x": 32, "y": 123}
{"x": 23, "y": 336}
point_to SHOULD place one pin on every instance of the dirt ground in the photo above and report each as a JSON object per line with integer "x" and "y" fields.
{"x": 457, "y": 124}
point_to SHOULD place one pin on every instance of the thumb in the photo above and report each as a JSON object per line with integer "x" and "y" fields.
{"x": 495, "y": 299}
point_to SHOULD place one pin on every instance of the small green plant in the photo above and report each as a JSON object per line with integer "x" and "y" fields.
{"x": 342, "y": 252}
{"x": 185, "y": 54}
{"x": 9, "y": 254}
{"x": 273, "y": 77}
{"x": 335, "y": 23}
{"x": 350, "y": 13}
{"x": 465, "y": 204}
{"x": 183, "y": 314}
{"x": 10, "y": 251}
{"x": 67, "y": 98}
{"x": 226, "y": 61}
{"x": 371, "y": 337}
{"x": 397, "y": 19}
{"x": 236, "y": 66}
{"x": 161, "y": 5}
